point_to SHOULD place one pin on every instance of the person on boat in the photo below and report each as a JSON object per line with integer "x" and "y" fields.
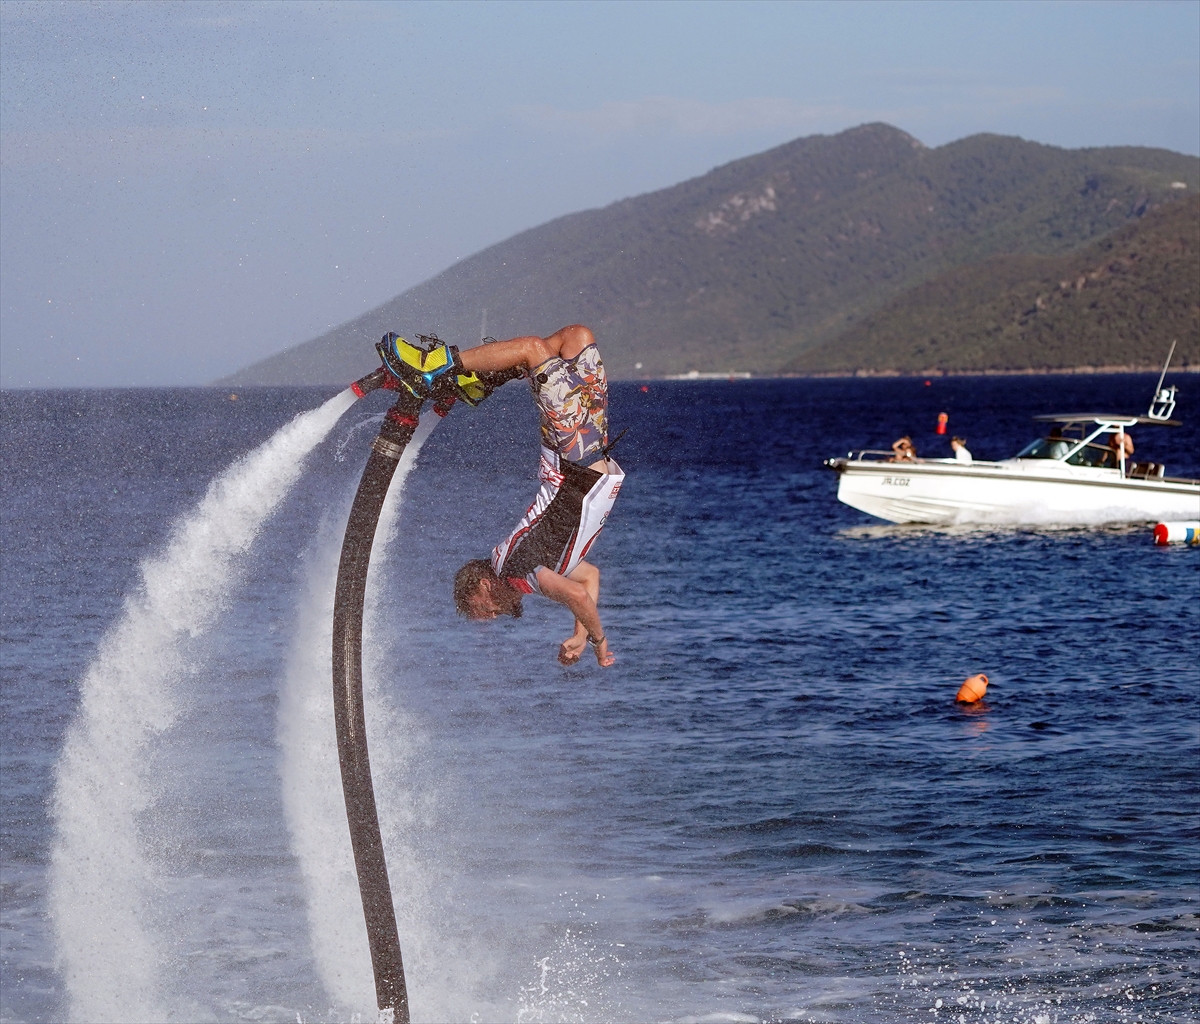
{"x": 1057, "y": 447}
{"x": 961, "y": 453}
{"x": 1121, "y": 444}
{"x": 579, "y": 485}
{"x": 903, "y": 450}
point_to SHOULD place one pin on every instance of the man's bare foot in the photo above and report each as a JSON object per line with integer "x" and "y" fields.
{"x": 571, "y": 649}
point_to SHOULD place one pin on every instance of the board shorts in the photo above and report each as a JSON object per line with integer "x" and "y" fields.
{"x": 571, "y": 508}
{"x": 572, "y": 400}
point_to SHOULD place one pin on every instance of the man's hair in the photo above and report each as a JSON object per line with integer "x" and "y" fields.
{"x": 960, "y": 440}
{"x": 467, "y": 580}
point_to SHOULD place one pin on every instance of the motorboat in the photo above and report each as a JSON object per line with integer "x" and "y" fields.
{"x": 1077, "y": 472}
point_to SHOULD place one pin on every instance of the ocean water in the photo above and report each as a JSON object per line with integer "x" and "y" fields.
{"x": 770, "y": 809}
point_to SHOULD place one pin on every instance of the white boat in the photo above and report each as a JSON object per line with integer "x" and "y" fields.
{"x": 1071, "y": 476}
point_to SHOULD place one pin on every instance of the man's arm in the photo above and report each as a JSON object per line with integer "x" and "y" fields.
{"x": 504, "y": 355}
{"x": 574, "y": 594}
{"x": 576, "y": 644}
{"x": 529, "y": 351}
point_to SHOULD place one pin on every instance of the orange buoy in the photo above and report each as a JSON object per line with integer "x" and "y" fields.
{"x": 972, "y": 689}
{"x": 943, "y": 419}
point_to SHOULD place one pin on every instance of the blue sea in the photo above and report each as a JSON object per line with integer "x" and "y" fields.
{"x": 770, "y": 809}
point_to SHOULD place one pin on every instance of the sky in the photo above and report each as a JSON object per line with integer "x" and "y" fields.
{"x": 186, "y": 188}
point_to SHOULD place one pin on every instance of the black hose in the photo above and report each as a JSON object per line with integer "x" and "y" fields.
{"x": 365, "y": 838}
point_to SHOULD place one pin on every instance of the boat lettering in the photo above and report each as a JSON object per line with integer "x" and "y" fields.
{"x": 896, "y": 481}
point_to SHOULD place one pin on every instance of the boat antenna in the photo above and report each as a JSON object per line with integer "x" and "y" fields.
{"x": 1163, "y": 402}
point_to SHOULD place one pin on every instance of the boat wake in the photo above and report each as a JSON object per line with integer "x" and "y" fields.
{"x": 910, "y": 531}
{"x": 1029, "y": 519}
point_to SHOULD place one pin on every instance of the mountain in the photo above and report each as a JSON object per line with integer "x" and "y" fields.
{"x": 760, "y": 260}
{"x": 1116, "y": 302}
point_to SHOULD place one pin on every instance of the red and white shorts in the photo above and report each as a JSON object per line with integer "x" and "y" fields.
{"x": 566, "y": 517}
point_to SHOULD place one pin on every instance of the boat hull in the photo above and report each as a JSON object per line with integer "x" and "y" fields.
{"x": 1016, "y": 491}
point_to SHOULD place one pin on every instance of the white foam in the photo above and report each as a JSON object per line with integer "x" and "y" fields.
{"x": 101, "y": 881}
{"x": 986, "y": 529}
{"x": 1041, "y": 515}
{"x": 312, "y": 789}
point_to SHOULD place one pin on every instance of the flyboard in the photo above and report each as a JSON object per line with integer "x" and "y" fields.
{"x": 429, "y": 370}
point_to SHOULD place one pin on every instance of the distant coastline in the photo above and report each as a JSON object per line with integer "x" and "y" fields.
{"x": 841, "y": 374}
{"x": 1028, "y": 372}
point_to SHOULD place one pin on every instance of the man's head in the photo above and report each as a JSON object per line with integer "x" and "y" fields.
{"x": 958, "y": 442}
{"x": 480, "y": 594}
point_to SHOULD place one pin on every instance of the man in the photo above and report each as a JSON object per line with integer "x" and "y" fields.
{"x": 1058, "y": 446}
{"x": 579, "y": 484}
{"x": 1121, "y": 444}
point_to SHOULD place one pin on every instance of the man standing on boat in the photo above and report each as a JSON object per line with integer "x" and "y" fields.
{"x": 1121, "y": 444}
{"x": 579, "y": 484}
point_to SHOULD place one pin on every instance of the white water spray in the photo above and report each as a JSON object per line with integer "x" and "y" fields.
{"x": 312, "y": 790}
{"x": 101, "y": 880}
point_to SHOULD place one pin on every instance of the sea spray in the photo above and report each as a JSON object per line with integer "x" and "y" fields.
{"x": 452, "y": 973}
{"x": 102, "y": 882}
{"x": 312, "y": 790}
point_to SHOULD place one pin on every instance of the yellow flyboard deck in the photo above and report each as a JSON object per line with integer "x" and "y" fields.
{"x": 433, "y": 366}
{"x": 415, "y": 366}
{"x": 419, "y": 359}
{"x": 472, "y": 390}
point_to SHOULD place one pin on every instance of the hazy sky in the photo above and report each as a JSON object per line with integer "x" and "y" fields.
{"x": 188, "y": 187}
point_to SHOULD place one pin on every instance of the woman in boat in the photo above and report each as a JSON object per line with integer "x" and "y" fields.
{"x": 904, "y": 449}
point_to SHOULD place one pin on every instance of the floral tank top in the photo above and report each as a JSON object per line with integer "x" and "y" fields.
{"x": 572, "y": 397}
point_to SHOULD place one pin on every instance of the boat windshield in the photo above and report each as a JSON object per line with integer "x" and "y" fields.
{"x": 1045, "y": 448}
{"x": 1091, "y": 454}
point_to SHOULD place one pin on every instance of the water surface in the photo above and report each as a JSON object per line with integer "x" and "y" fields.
{"x": 771, "y": 809}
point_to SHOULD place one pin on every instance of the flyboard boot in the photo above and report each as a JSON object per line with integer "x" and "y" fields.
{"x": 429, "y": 370}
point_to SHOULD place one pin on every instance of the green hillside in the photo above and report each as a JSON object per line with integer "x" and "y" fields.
{"x": 1115, "y": 302}
{"x": 758, "y": 261}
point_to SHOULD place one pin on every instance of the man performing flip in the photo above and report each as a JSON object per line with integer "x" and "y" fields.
{"x": 579, "y": 484}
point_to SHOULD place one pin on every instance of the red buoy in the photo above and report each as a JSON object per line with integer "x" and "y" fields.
{"x": 943, "y": 419}
{"x": 1177, "y": 533}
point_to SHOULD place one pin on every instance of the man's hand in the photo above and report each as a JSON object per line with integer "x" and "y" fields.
{"x": 578, "y": 592}
{"x": 571, "y": 649}
{"x": 604, "y": 657}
